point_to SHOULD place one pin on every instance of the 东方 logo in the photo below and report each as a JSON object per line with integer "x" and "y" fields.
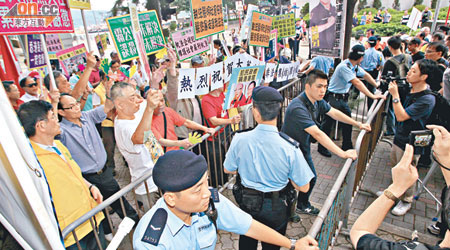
{"x": 47, "y": 12}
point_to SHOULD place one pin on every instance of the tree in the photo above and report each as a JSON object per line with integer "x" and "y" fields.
{"x": 305, "y": 9}
{"x": 362, "y": 4}
{"x": 433, "y": 4}
{"x": 377, "y": 4}
{"x": 396, "y": 5}
{"x": 418, "y": 2}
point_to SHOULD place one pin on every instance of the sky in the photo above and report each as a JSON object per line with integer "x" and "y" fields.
{"x": 102, "y": 5}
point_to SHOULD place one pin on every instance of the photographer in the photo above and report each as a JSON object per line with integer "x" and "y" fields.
{"x": 404, "y": 175}
{"x": 411, "y": 115}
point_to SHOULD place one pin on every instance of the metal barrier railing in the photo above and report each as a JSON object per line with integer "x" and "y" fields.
{"x": 334, "y": 213}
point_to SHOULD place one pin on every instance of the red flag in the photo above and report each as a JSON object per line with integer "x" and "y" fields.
{"x": 9, "y": 70}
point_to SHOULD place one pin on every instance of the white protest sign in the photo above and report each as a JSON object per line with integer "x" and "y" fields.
{"x": 216, "y": 71}
{"x": 247, "y": 21}
{"x": 287, "y": 71}
{"x": 414, "y": 19}
{"x": 270, "y": 72}
{"x": 186, "y": 81}
{"x": 230, "y": 64}
{"x": 202, "y": 81}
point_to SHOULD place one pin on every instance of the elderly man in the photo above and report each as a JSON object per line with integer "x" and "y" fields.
{"x": 80, "y": 136}
{"x": 73, "y": 195}
{"x": 134, "y": 138}
{"x": 13, "y": 94}
{"x": 31, "y": 89}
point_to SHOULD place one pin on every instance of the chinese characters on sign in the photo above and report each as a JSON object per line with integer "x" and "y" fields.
{"x": 216, "y": 71}
{"x": 260, "y": 29}
{"x": 44, "y": 16}
{"x": 80, "y": 4}
{"x": 72, "y": 57}
{"x": 202, "y": 81}
{"x": 208, "y": 17}
{"x": 270, "y": 72}
{"x": 120, "y": 29}
{"x": 186, "y": 80}
{"x": 287, "y": 71}
{"x": 240, "y": 89}
{"x": 53, "y": 43}
{"x": 35, "y": 53}
{"x": 285, "y": 24}
{"x": 185, "y": 44}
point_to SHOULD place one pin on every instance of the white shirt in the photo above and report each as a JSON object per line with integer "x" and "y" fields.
{"x": 27, "y": 97}
{"x": 137, "y": 155}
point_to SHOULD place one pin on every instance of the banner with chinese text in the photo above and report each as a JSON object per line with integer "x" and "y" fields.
{"x": 72, "y": 57}
{"x": 207, "y": 17}
{"x": 53, "y": 42}
{"x": 120, "y": 29}
{"x": 185, "y": 44}
{"x": 80, "y": 4}
{"x": 240, "y": 89}
{"x": 260, "y": 29}
{"x": 285, "y": 25}
{"x": 44, "y": 16}
{"x": 35, "y": 53}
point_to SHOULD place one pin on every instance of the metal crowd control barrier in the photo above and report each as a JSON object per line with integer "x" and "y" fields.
{"x": 334, "y": 214}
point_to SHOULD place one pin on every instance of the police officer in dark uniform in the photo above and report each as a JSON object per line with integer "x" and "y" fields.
{"x": 189, "y": 213}
{"x": 345, "y": 75}
{"x": 269, "y": 166}
{"x": 324, "y": 17}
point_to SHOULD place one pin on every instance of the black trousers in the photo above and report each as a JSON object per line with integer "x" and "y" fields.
{"x": 274, "y": 216}
{"x": 342, "y": 105}
{"x": 89, "y": 242}
{"x": 108, "y": 186}
{"x": 370, "y": 87}
{"x": 110, "y": 143}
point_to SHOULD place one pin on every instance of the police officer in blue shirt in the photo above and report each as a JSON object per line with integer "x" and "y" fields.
{"x": 301, "y": 122}
{"x": 322, "y": 63}
{"x": 345, "y": 75}
{"x": 269, "y": 167}
{"x": 372, "y": 63}
{"x": 189, "y": 213}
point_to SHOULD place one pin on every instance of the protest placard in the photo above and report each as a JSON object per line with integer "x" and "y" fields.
{"x": 414, "y": 19}
{"x": 240, "y": 89}
{"x": 207, "y": 17}
{"x": 216, "y": 75}
{"x": 247, "y": 21}
{"x": 285, "y": 24}
{"x": 202, "y": 81}
{"x": 72, "y": 57}
{"x": 53, "y": 42}
{"x": 186, "y": 80}
{"x": 260, "y": 29}
{"x": 185, "y": 44}
{"x": 101, "y": 49}
{"x": 271, "y": 51}
{"x": 80, "y": 4}
{"x": 35, "y": 53}
{"x": 287, "y": 71}
{"x": 270, "y": 72}
{"x": 38, "y": 17}
{"x": 230, "y": 64}
{"x": 139, "y": 40}
{"x": 120, "y": 29}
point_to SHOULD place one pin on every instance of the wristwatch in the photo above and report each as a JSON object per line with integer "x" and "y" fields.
{"x": 395, "y": 100}
{"x": 293, "y": 241}
{"x": 390, "y": 195}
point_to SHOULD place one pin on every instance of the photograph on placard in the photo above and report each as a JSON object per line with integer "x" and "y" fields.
{"x": 243, "y": 81}
{"x": 72, "y": 59}
{"x": 323, "y": 23}
{"x": 271, "y": 51}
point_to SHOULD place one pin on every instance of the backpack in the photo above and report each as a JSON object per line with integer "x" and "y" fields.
{"x": 439, "y": 114}
{"x": 402, "y": 66}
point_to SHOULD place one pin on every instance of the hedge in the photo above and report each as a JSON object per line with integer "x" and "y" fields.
{"x": 381, "y": 29}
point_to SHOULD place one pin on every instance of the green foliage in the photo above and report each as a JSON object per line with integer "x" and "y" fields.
{"x": 305, "y": 9}
{"x": 376, "y": 4}
{"x": 443, "y": 13}
{"x": 306, "y": 19}
{"x": 433, "y": 4}
{"x": 417, "y": 6}
{"x": 367, "y": 10}
{"x": 183, "y": 5}
{"x": 173, "y": 26}
{"x": 389, "y": 29}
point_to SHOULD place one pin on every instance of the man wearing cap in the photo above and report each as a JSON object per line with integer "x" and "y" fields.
{"x": 269, "y": 167}
{"x": 189, "y": 213}
{"x": 372, "y": 62}
{"x": 301, "y": 123}
{"x": 345, "y": 75}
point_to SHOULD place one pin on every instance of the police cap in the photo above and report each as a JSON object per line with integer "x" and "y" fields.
{"x": 178, "y": 170}
{"x": 266, "y": 94}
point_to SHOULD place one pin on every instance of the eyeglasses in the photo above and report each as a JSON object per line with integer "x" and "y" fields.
{"x": 71, "y": 107}
{"x": 430, "y": 51}
{"x": 31, "y": 85}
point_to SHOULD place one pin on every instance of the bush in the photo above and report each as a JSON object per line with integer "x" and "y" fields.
{"x": 389, "y": 29}
{"x": 420, "y": 7}
{"x": 443, "y": 13}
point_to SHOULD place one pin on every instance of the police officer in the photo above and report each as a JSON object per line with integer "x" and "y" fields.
{"x": 324, "y": 17}
{"x": 301, "y": 122}
{"x": 345, "y": 75}
{"x": 189, "y": 213}
{"x": 372, "y": 62}
{"x": 269, "y": 166}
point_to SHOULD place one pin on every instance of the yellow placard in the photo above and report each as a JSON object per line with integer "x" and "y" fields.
{"x": 208, "y": 17}
{"x": 80, "y": 4}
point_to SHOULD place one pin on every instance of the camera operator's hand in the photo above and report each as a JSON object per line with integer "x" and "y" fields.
{"x": 441, "y": 146}
{"x": 393, "y": 89}
{"x": 404, "y": 175}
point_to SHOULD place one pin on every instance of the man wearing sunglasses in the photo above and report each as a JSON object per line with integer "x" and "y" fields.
{"x": 31, "y": 89}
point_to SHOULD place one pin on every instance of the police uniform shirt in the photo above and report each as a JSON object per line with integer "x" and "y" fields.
{"x": 323, "y": 63}
{"x": 298, "y": 118}
{"x": 265, "y": 161}
{"x": 201, "y": 234}
{"x": 372, "y": 59}
{"x": 344, "y": 73}
{"x": 319, "y": 16}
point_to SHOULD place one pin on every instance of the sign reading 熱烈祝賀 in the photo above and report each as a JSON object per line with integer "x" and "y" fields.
{"x": 207, "y": 17}
{"x": 260, "y": 29}
{"x": 120, "y": 29}
{"x": 284, "y": 24}
{"x": 38, "y": 17}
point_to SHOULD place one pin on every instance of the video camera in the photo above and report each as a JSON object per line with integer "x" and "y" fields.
{"x": 403, "y": 86}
